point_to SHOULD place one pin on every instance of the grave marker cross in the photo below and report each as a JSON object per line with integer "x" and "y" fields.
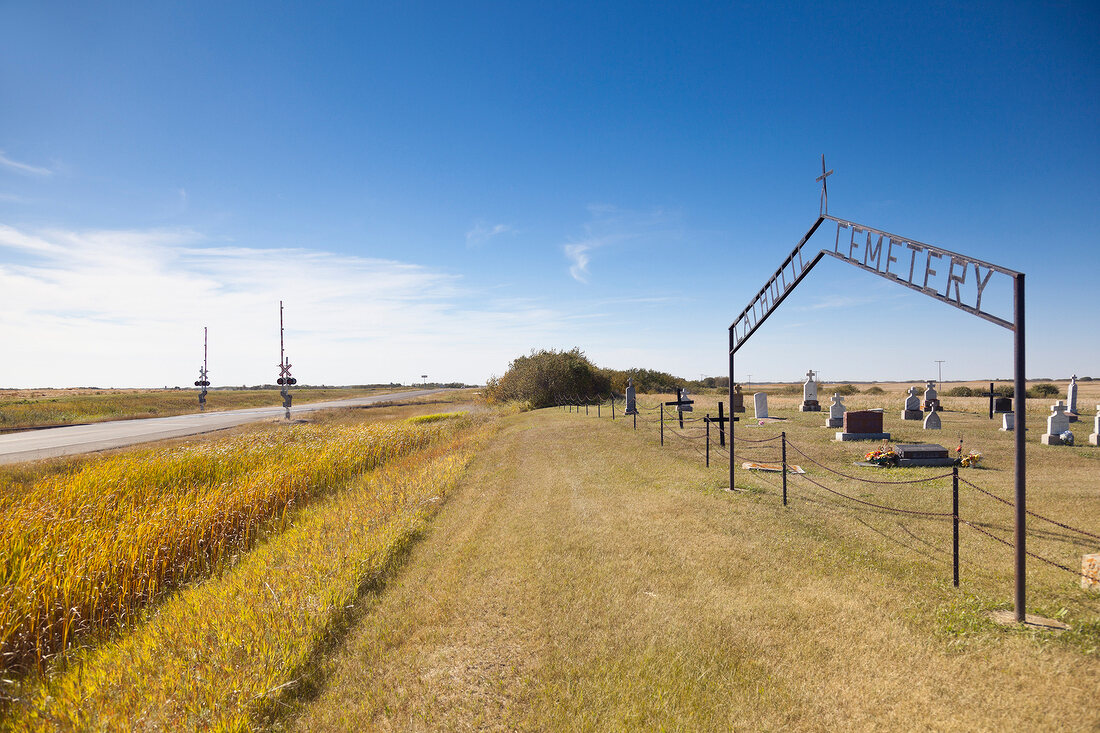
{"x": 990, "y": 394}
{"x": 721, "y": 424}
{"x": 682, "y": 405}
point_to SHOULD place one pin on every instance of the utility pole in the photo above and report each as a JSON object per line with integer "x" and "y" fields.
{"x": 204, "y": 375}
{"x": 939, "y": 363}
{"x": 284, "y": 380}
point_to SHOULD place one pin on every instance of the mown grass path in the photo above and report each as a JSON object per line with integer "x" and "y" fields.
{"x": 583, "y": 579}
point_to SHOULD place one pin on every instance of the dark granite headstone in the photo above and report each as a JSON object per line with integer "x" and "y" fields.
{"x": 863, "y": 421}
{"x": 922, "y": 454}
{"x": 920, "y": 450}
{"x": 1002, "y": 404}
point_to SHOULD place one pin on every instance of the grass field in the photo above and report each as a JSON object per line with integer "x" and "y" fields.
{"x": 576, "y": 575}
{"x": 583, "y": 578}
{"x": 21, "y": 409}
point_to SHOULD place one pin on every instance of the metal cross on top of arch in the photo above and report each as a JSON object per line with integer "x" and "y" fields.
{"x": 918, "y": 266}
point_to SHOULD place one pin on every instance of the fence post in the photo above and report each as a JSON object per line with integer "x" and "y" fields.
{"x": 635, "y": 421}
{"x": 707, "y": 421}
{"x": 783, "y": 440}
{"x": 586, "y": 408}
{"x": 612, "y": 406}
{"x": 955, "y": 519}
{"x": 598, "y": 406}
{"x": 662, "y": 424}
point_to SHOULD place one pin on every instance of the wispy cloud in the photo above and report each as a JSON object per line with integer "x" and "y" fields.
{"x": 25, "y": 168}
{"x": 481, "y": 232}
{"x": 612, "y": 225}
{"x": 578, "y": 256}
{"x": 126, "y": 307}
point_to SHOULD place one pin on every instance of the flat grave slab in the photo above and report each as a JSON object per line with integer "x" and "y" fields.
{"x": 922, "y": 454}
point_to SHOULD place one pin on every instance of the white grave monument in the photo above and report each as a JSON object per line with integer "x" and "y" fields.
{"x": 1094, "y": 438}
{"x": 931, "y": 399}
{"x": 932, "y": 422}
{"x": 912, "y": 409}
{"x": 1057, "y": 423}
{"x": 836, "y": 412}
{"x": 760, "y": 404}
{"x": 1008, "y": 421}
{"x": 809, "y": 395}
{"x": 1071, "y": 399}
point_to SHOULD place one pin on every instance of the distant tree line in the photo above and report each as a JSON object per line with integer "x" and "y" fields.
{"x": 547, "y": 377}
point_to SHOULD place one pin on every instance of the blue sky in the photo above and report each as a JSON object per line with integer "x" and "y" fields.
{"x": 440, "y": 188}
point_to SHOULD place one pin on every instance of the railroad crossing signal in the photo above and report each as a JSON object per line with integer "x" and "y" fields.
{"x": 285, "y": 381}
{"x": 204, "y": 375}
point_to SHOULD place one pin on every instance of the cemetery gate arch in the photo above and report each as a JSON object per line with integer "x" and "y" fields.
{"x": 912, "y": 264}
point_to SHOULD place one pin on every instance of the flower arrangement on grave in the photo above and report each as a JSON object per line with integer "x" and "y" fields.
{"x": 884, "y": 456}
{"x": 970, "y": 460}
{"x": 973, "y": 458}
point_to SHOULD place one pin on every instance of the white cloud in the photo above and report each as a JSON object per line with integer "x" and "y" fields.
{"x": 482, "y": 232}
{"x": 126, "y": 308}
{"x": 578, "y": 255}
{"x": 26, "y": 168}
{"x": 611, "y": 225}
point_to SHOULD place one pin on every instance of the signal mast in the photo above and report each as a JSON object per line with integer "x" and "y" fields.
{"x": 204, "y": 375}
{"x": 285, "y": 380}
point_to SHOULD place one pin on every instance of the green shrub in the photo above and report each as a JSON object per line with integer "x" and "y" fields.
{"x": 875, "y": 389}
{"x": 1044, "y": 389}
{"x": 845, "y": 389}
{"x": 547, "y": 378}
{"x": 960, "y": 392}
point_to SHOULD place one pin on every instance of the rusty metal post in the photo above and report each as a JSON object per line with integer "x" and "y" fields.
{"x": 662, "y": 424}
{"x": 1020, "y": 428}
{"x": 707, "y": 423}
{"x": 783, "y": 440}
{"x": 955, "y": 520}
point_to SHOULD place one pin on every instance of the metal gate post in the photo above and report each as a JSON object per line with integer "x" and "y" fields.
{"x": 1021, "y": 431}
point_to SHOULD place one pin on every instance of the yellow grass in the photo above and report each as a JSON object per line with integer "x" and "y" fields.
{"x": 39, "y": 407}
{"x": 88, "y": 550}
{"x": 583, "y": 578}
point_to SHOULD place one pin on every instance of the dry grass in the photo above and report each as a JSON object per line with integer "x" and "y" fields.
{"x": 231, "y": 651}
{"x": 40, "y": 407}
{"x": 87, "y": 550}
{"x": 585, "y": 579}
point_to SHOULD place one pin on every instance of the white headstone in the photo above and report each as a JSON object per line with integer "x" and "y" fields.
{"x": 809, "y": 389}
{"x": 930, "y": 392}
{"x": 912, "y": 402}
{"x": 1094, "y": 439}
{"x": 1071, "y": 395}
{"x": 836, "y": 412}
{"x": 932, "y": 422}
{"x": 1008, "y": 421}
{"x": 760, "y": 404}
{"x": 1058, "y": 422}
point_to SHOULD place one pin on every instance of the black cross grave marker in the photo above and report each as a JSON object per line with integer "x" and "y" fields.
{"x": 682, "y": 405}
{"x": 990, "y": 394}
{"x": 721, "y": 424}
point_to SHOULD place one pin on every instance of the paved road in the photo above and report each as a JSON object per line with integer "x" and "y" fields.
{"x": 34, "y": 444}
